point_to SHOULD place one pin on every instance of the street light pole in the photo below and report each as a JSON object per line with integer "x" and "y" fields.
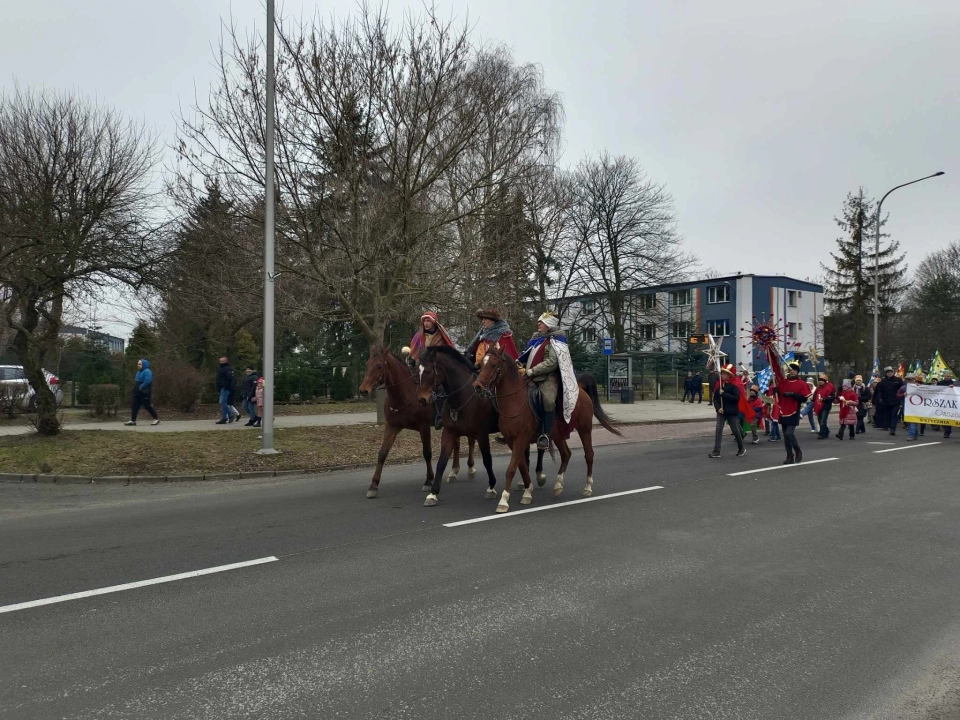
{"x": 876, "y": 266}
{"x": 269, "y": 276}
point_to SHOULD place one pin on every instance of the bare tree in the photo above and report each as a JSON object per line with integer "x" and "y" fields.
{"x": 626, "y": 235}
{"x": 76, "y": 216}
{"x": 387, "y": 142}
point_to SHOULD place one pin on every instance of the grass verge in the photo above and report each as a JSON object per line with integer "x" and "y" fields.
{"x": 84, "y": 452}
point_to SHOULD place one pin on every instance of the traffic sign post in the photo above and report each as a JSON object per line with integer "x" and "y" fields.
{"x": 608, "y": 346}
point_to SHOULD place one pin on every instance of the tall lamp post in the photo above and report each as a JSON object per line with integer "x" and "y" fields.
{"x": 876, "y": 266}
{"x": 269, "y": 276}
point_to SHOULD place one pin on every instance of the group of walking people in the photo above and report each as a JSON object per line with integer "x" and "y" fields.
{"x": 789, "y": 399}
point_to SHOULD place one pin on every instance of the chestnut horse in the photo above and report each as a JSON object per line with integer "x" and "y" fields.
{"x": 403, "y": 412}
{"x": 500, "y": 377}
{"x": 446, "y": 373}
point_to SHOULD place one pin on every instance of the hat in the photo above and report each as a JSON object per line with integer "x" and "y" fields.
{"x": 489, "y": 314}
{"x": 754, "y": 388}
{"x": 911, "y": 376}
{"x": 824, "y": 377}
{"x": 858, "y": 378}
{"x": 888, "y": 369}
{"x": 729, "y": 369}
{"x": 250, "y": 367}
{"x": 794, "y": 365}
{"x": 430, "y": 315}
{"x": 549, "y": 319}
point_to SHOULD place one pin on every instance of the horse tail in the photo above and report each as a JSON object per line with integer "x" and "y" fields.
{"x": 589, "y": 385}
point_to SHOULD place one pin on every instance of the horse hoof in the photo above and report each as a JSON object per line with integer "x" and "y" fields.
{"x": 502, "y": 508}
{"x": 428, "y": 487}
{"x": 526, "y": 500}
{"x": 371, "y": 494}
{"x": 490, "y": 494}
{"x": 541, "y": 479}
{"x": 472, "y": 473}
{"x": 587, "y": 492}
{"x": 430, "y": 501}
{"x": 451, "y": 478}
{"x": 557, "y": 491}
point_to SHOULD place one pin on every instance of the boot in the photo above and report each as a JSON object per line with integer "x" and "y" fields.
{"x": 256, "y": 423}
{"x": 546, "y": 425}
{"x": 437, "y": 418}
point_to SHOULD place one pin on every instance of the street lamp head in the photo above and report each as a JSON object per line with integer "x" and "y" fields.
{"x": 939, "y": 173}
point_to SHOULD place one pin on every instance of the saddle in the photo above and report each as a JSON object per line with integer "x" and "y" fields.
{"x": 535, "y": 400}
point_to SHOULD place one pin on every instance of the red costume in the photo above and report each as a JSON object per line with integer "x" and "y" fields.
{"x": 849, "y": 404}
{"x": 744, "y": 403}
{"x": 792, "y": 394}
{"x": 823, "y": 394}
{"x": 423, "y": 339}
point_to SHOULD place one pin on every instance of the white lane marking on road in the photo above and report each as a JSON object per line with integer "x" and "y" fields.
{"x": 133, "y": 585}
{"x": 874, "y": 442}
{"x": 907, "y": 447}
{"x": 514, "y": 513}
{"x": 781, "y": 467}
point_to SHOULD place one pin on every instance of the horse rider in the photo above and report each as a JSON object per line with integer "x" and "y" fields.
{"x": 493, "y": 330}
{"x": 431, "y": 334}
{"x": 547, "y": 363}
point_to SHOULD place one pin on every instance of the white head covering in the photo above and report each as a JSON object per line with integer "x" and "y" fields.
{"x": 550, "y": 320}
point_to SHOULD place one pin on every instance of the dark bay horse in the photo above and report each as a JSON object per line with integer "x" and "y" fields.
{"x": 403, "y": 411}
{"x": 499, "y": 375}
{"x": 446, "y": 373}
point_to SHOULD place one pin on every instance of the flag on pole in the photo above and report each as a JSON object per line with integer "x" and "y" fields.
{"x": 876, "y": 369}
{"x": 938, "y": 366}
{"x": 902, "y": 370}
{"x": 765, "y": 376}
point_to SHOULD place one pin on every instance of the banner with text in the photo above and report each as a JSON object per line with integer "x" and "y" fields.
{"x": 933, "y": 405}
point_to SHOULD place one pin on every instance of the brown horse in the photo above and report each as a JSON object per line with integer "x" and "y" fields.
{"x": 403, "y": 412}
{"x": 499, "y": 375}
{"x": 446, "y": 373}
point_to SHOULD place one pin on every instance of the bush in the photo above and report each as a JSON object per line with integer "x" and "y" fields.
{"x": 177, "y": 385}
{"x": 104, "y": 400}
{"x": 11, "y": 399}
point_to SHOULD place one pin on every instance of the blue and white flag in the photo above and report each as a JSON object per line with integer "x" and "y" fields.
{"x": 765, "y": 376}
{"x": 876, "y": 369}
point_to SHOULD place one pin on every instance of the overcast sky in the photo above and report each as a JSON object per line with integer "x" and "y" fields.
{"x": 758, "y": 116}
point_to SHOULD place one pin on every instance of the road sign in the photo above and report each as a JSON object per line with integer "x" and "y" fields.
{"x": 700, "y": 339}
{"x": 608, "y": 346}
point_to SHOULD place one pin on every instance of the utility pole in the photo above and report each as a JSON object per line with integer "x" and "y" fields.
{"x": 269, "y": 276}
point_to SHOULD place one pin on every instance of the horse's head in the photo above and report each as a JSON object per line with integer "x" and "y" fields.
{"x": 491, "y": 368}
{"x": 376, "y": 368}
{"x": 431, "y": 376}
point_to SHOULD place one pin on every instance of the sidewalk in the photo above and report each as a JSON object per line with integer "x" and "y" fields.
{"x": 649, "y": 412}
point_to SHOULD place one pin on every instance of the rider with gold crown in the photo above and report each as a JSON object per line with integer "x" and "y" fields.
{"x": 548, "y": 364}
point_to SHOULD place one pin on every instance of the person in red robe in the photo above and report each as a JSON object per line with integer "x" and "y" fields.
{"x": 792, "y": 394}
{"x": 494, "y": 330}
{"x": 430, "y": 334}
{"x": 849, "y": 400}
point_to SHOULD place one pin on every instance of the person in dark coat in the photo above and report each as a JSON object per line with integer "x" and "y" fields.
{"x": 249, "y": 392}
{"x": 697, "y": 387}
{"x": 226, "y": 386}
{"x": 946, "y": 382}
{"x": 886, "y": 401}
{"x": 864, "y": 394}
{"x": 688, "y": 387}
{"x": 730, "y": 402}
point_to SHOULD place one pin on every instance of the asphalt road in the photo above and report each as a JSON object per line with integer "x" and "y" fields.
{"x": 828, "y": 590}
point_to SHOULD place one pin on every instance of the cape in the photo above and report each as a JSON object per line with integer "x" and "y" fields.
{"x": 568, "y": 378}
{"x": 744, "y": 403}
{"x": 417, "y": 345}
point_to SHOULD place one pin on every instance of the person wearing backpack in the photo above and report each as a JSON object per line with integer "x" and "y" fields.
{"x": 225, "y": 386}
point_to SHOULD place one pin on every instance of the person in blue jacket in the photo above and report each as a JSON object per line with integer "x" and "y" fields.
{"x": 142, "y": 388}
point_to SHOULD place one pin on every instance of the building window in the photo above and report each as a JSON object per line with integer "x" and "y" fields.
{"x": 589, "y": 335}
{"x": 588, "y": 306}
{"x": 791, "y": 298}
{"x": 718, "y": 328}
{"x": 647, "y": 332}
{"x": 718, "y": 294}
{"x": 791, "y": 330}
{"x": 680, "y": 329}
{"x": 680, "y": 298}
{"x": 647, "y": 301}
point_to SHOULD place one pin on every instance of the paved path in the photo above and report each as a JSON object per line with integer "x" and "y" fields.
{"x": 652, "y": 411}
{"x": 822, "y": 591}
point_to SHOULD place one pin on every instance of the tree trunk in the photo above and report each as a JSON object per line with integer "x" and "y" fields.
{"x": 31, "y": 351}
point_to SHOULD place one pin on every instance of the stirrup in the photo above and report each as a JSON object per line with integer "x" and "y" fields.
{"x": 543, "y": 442}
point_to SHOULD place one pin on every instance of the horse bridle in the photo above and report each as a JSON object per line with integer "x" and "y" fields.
{"x": 381, "y": 385}
{"x": 488, "y": 389}
{"x": 435, "y": 396}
